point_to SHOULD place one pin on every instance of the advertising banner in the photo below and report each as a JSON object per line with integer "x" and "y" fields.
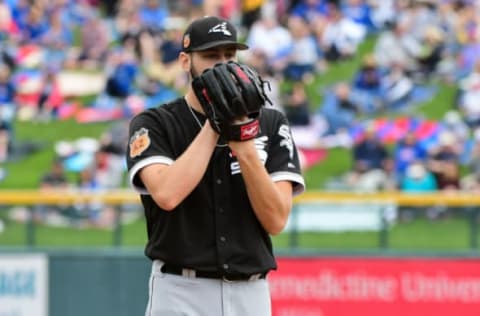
{"x": 23, "y": 285}
{"x": 375, "y": 287}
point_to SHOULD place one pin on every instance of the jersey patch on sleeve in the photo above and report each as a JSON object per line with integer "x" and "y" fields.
{"x": 139, "y": 142}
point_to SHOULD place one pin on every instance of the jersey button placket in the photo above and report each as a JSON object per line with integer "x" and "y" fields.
{"x": 220, "y": 184}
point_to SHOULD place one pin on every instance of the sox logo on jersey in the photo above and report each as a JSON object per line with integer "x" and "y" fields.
{"x": 260, "y": 145}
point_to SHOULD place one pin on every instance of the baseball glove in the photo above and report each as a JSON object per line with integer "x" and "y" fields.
{"x": 229, "y": 92}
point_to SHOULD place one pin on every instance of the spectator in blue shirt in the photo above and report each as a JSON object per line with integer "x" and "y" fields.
{"x": 367, "y": 85}
{"x": 310, "y": 10}
{"x": 339, "y": 109}
{"x": 57, "y": 40}
{"x": 20, "y": 10}
{"x": 121, "y": 82}
{"x": 35, "y": 24}
{"x": 360, "y": 12}
{"x": 408, "y": 151}
{"x": 153, "y": 15}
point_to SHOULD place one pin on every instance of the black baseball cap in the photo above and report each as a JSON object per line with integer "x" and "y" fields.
{"x": 208, "y": 32}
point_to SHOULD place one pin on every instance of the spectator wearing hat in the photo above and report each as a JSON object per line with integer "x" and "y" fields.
{"x": 431, "y": 51}
{"x": 367, "y": 85}
{"x": 454, "y": 122}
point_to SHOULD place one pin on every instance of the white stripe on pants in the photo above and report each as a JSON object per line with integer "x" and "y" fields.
{"x": 175, "y": 295}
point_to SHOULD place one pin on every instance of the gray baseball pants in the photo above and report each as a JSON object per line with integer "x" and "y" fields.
{"x": 175, "y": 295}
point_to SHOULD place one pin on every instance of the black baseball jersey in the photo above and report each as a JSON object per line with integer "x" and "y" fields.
{"x": 215, "y": 227}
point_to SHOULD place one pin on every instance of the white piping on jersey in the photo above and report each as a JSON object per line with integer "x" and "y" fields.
{"x": 260, "y": 145}
{"x": 143, "y": 163}
{"x": 298, "y": 185}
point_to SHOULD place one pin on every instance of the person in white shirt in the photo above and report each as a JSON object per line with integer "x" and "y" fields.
{"x": 341, "y": 36}
{"x": 271, "y": 38}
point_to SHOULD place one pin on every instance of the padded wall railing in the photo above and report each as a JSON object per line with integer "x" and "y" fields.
{"x": 471, "y": 201}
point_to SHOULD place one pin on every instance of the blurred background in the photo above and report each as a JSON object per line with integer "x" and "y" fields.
{"x": 383, "y": 98}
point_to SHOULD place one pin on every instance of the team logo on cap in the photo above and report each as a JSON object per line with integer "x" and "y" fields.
{"x": 139, "y": 142}
{"x": 186, "y": 41}
{"x": 220, "y": 28}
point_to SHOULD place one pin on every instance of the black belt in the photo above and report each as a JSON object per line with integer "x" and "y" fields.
{"x": 171, "y": 269}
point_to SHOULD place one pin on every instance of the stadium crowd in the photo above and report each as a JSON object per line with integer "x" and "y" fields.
{"x": 93, "y": 60}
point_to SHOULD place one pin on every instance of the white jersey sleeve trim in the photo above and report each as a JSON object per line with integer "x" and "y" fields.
{"x": 143, "y": 163}
{"x": 295, "y": 178}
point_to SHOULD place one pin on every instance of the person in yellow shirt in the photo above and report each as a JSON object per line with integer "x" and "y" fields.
{"x": 251, "y": 11}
